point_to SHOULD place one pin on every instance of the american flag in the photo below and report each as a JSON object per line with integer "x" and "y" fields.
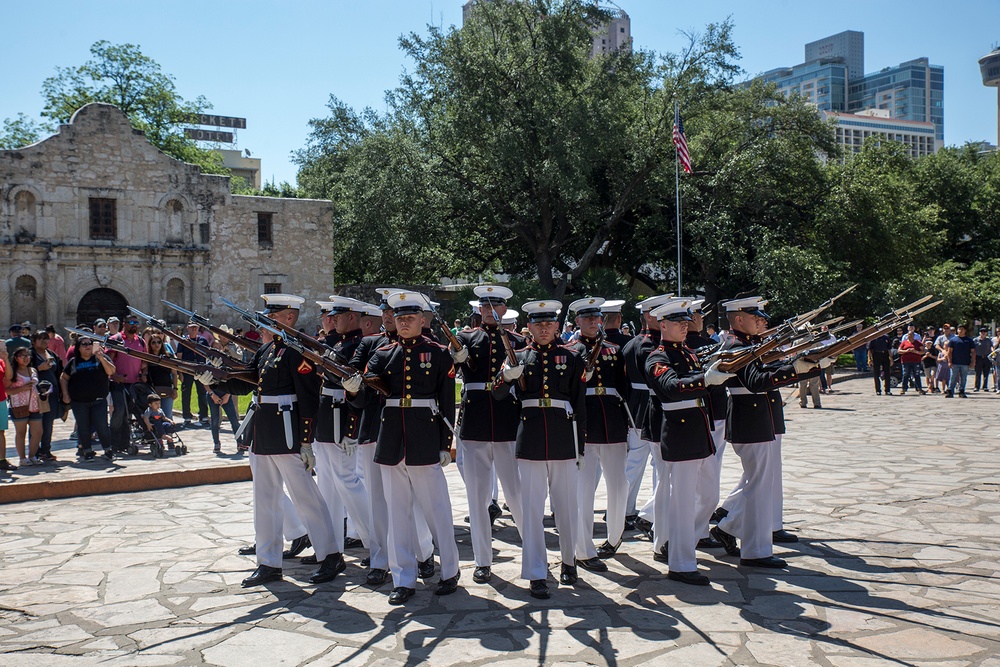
{"x": 680, "y": 141}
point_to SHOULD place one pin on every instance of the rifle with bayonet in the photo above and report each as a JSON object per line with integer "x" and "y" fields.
{"x": 242, "y": 341}
{"x": 799, "y": 320}
{"x": 191, "y": 368}
{"x": 595, "y": 352}
{"x": 508, "y": 347}
{"x": 884, "y": 325}
{"x": 312, "y": 349}
{"x": 193, "y": 345}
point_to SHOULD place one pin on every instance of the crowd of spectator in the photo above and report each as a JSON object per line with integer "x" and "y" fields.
{"x": 46, "y": 377}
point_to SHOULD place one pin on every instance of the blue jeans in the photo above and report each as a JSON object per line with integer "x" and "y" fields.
{"x": 959, "y": 374}
{"x": 861, "y": 359}
{"x": 231, "y": 414}
{"x": 92, "y": 416}
{"x": 911, "y": 375}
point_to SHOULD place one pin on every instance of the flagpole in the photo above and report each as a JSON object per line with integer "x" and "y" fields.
{"x": 677, "y": 191}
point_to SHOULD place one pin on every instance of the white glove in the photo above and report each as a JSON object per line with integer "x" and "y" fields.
{"x": 803, "y": 366}
{"x": 215, "y": 361}
{"x": 826, "y": 362}
{"x": 460, "y": 356}
{"x": 350, "y": 448}
{"x": 308, "y": 458}
{"x": 511, "y": 374}
{"x": 352, "y": 384}
{"x": 206, "y": 378}
{"x": 587, "y": 375}
{"x": 713, "y": 376}
{"x": 444, "y": 457}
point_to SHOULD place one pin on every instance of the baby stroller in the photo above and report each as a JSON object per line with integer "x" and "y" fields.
{"x": 138, "y": 400}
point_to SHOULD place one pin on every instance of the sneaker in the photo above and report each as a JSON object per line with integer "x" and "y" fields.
{"x": 187, "y": 423}
{"x": 49, "y": 457}
{"x": 7, "y": 465}
{"x": 35, "y": 461}
{"x": 218, "y": 448}
{"x": 24, "y": 463}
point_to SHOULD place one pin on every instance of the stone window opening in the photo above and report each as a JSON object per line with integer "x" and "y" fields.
{"x": 103, "y": 219}
{"x": 25, "y": 215}
{"x": 265, "y": 230}
{"x": 272, "y": 288}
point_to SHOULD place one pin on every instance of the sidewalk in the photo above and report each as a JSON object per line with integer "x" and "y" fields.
{"x": 895, "y": 500}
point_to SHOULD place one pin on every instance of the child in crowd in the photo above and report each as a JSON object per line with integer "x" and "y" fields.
{"x": 156, "y": 421}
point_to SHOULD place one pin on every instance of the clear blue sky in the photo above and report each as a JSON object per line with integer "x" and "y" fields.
{"x": 277, "y": 63}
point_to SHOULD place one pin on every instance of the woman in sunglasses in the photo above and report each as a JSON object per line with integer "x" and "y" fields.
{"x": 85, "y": 385}
{"x": 163, "y": 379}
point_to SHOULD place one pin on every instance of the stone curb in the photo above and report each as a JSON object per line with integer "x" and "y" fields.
{"x": 126, "y": 483}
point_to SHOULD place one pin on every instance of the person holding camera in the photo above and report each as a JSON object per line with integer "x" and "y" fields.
{"x": 85, "y": 383}
{"x": 48, "y": 366}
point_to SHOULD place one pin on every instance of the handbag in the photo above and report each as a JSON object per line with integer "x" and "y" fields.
{"x": 20, "y": 411}
{"x": 163, "y": 391}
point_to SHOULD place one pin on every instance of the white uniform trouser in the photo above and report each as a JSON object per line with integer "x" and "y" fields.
{"x": 611, "y": 459}
{"x": 460, "y": 463}
{"x": 481, "y": 458}
{"x": 687, "y": 481}
{"x": 291, "y": 524}
{"x": 337, "y": 477}
{"x": 538, "y": 478}
{"x": 710, "y": 497}
{"x": 778, "y": 484}
{"x": 751, "y": 504}
{"x": 270, "y": 471}
{"x": 424, "y": 487}
{"x": 635, "y": 469}
{"x": 657, "y": 508}
{"x": 378, "y": 512}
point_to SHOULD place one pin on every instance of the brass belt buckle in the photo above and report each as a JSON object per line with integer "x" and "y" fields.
{"x": 489, "y": 386}
{"x": 545, "y": 402}
{"x": 600, "y": 391}
{"x": 405, "y": 402}
{"x": 699, "y": 402}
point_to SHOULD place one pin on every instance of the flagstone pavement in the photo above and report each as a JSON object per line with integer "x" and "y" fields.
{"x": 896, "y": 499}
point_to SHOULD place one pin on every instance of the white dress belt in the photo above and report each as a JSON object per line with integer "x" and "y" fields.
{"x": 478, "y": 386}
{"x": 337, "y": 394}
{"x": 602, "y": 391}
{"x": 283, "y": 399}
{"x": 683, "y": 405}
{"x": 412, "y": 403}
{"x": 548, "y": 403}
{"x": 742, "y": 391}
{"x": 638, "y": 386}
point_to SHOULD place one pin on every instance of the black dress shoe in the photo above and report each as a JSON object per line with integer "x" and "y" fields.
{"x": 783, "y": 537}
{"x": 425, "y": 568}
{"x": 495, "y": 512}
{"x": 539, "y": 589}
{"x": 693, "y": 578}
{"x": 770, "y": 561}
{"x": 366, "y": 561}
{"x": 299, "y": 544}
{"x": 448, "y": 586}
{"x": 709, "y": 543}
{"x": 376, "y": 577}
{"x": 662, "y": 554}
{"x": 727, "y": 540}
{"x": 568, "y": 575}
{"x": 592, "y": 564}
{"x": 262, "y": 575}
{"x": 400, "y": 594}
{"x": 331, "y": 566}
{"x": 630, "y": 521}
{"x": 645, "y": 527}
{"x": 353, "y": 543}
{"x": 482, "y": 574}
{"x": 249, "y": 550}
{"x": 719, "y": 514}
{"x": 309, "y": 560}
{"x": 607, "y": 550}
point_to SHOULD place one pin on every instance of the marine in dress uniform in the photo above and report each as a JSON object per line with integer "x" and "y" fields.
{"x": 719, "y": 401}
{"x": 750, "y": 428}
{"x": 641, "y": 447}
{"x": 488, "y": 425}
{"x": 607, "y": 436}
{"x": 371, "y": 403}
{"x": 414, "y": 443}
{"x": 612, "y": 310}
{"x": 337, "y": 424}
{"x": 287, "y": 396}
{"x": 550, "y": 441}
{"x": 679, "y": 383}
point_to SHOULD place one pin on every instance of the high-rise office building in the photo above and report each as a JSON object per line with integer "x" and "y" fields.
{"x": 611, "y": 36}
{"x": 832, "y": 77}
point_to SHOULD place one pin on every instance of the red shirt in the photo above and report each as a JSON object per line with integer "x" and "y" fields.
{"x": 3, "y": 371}
{"x": 911, "y": 352}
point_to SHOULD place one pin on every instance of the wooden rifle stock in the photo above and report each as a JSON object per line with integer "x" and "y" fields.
{"x": 242, "y": 341}
{"x": 196, "y": 347}
{"x": 595, "y": 352}
{"x": 191, "y": 368}
{"x": 326, "y": 362}
{"x": 511, "y": 357}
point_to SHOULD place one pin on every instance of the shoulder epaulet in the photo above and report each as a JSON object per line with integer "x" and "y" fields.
{"x": 389, "y": 346}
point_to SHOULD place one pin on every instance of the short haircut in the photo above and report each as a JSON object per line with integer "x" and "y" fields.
{"x": 152, "y": 397}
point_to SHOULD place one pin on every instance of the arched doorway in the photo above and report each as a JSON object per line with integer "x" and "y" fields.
{"x": 101, "y": 302}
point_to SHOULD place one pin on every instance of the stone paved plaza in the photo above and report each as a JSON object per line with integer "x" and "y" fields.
{"x": 897, "y": 500}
